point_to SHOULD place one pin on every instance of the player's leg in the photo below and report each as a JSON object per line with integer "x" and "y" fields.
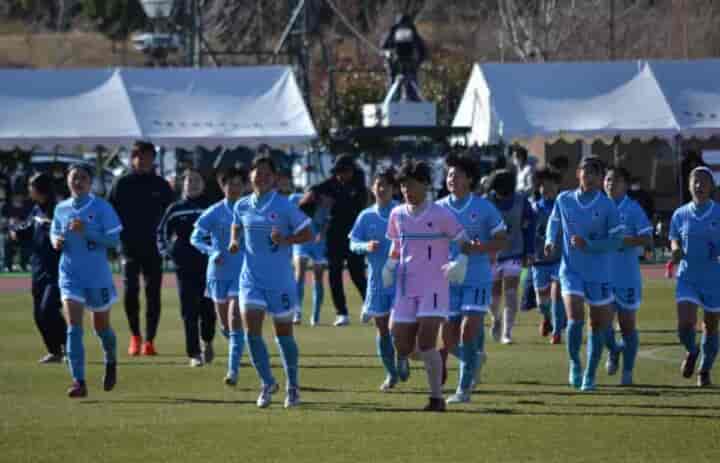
{"x": 73, "y": 311}
{"x": 131, "y": 279}
{"x": 208, "y": 320}
{"x": 386, "y": 351}
{"x": 511, "y": 283}
{"x": 189, "y": 311}
{"x": 318, "y": 291}
{"x": 236, "y": 340}
{"x": 687, "y": 303}
{"x": 450, "y": 335}
{"x": 104, "y": 331}
{"x": 497, "y": 290}
{"x": 709, "y": 347}
{"x": 472, "y": 323}
{"x": 152, "y": 275}
{"x": 631, "y": 343}
{"x": 427, "y": 332}
{"x": 403, "y": 326}
{"x": 614, "y": 349}
{"x": 290, "y": 355}
{"x": 575, "y": 311}
{"x": 559, "y": 317}
{"x": 600, "y": 317}
{"x": 300, "y": 263}
{"x": 216, "y": 290}
{"x": 47, "y": 310}
{"x": 542, "y": 283}
{"x": 253, "y": 315}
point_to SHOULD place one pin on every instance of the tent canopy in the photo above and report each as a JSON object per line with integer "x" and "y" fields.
{"x": 178, "y": 107}
{"x": 591, "y": 100}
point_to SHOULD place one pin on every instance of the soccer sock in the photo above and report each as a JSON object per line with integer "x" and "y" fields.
{"x": 455, "y": 351}
{"x": 495, "y": 308}
{"x": 433, "y": 368}
{"x": 468, "y": 363}
{"x": 632, "y": 343}
{"x": 480, "y": 341}
{"x": 559, "y": 318}
{"x": 610, "y": 341}
{"x": 109, "y": 344}
{"x": 709, "y": 351}
{"x": 386, "y": 352}
{"x": 318, "y": 296}
{"x": 595, "y": 343}
{"x": 290, "y": 354}
{"x": 545, "y": 310}
{"x": 260, "y": 358}
{"x": 687, "y": 339}
{"x": 225, "y": 333}
{"x": 574, "y": 339}
{"x": 511, "y": 307}
{"x": 301, "y": 293}
{"x": 235, "y": 350}
{"x": 76, "y": 352}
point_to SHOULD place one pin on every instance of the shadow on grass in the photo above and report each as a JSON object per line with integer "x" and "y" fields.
{"x": 172, "y": 401}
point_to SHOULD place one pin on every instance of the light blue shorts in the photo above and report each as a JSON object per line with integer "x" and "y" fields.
{"x": 278, "y": 303}
{"x": 544, "y": 275}
{"x": 706, "y": 297}
{"x": 466, "y": 299}
{"x": 594, "y": 293}
{"x": 221, "y": 290}
{"x": 628, "y": 298}
{"x": 94, "y": 299}
{"x": 378, "y": 303}
{"x": 312, "y": 251}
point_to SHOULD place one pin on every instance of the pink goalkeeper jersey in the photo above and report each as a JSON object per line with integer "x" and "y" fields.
{"x": 424, "y": 243}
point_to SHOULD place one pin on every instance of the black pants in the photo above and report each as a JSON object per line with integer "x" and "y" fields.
{"x": 11, "y": 248}
{"x": 47, "y": 311}
{"x": 198, "y": 312}
{"x": 338, "y": 252}
{"x": 150, "y": 265}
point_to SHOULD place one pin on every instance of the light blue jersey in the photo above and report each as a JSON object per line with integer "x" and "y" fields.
{"x": 625, "y": 264}
{"x": 84, "y": 262}
{"x": 267, "y": 266}
{"x": 314, "y": 249}
{"x": 592, "y": 216}
{"x": 371, "y": 225}
{"x": 214, "y": 225}
{"x": 698, "y": 230}
{"x": 481, "y": 221}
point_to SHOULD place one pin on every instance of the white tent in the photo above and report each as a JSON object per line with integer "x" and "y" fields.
{"x": 564, "y": 100}
{"x": 172, "y": 107}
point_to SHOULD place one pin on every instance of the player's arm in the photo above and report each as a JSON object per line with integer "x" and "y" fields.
{"x": 528, "y": 231}
{"x": 358, "y": 243}
{"x": 302, "y": 235}
{"x": 200, "y": 237}
{"x": 164, "y": 232}
{"x": 644, "y": 235}
{"x": 553, "y": 229}
{"x": 676, "y": 251}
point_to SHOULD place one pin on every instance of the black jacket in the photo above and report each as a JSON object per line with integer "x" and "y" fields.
{"x": 348, "y": 201}
{"x": 405, "y": 41}
{"x": 44, "y": 260}
{"x": 173, "y": 234}
{"x": 140, "y": 201}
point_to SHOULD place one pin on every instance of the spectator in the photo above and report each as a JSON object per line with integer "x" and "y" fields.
{"x": 348, "y": 196}
{"x": 140, "y": 198}
{"x": 643, "y": 198}
{"x": 14, "y": 213}
{"x": 523, "y": 170}
{"x": 691, "y": 160}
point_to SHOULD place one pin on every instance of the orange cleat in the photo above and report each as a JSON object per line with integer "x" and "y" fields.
{"x": 545, "y": 328}
{"x": 148, "y": 348}
{"x": 134, "y": 348}
{"x": 556, "y": 339}
{"x": 77, "y": 390}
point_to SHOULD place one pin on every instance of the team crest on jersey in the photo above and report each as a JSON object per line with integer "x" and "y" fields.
{"x": 473, "y": 217}
{"x": 713, "y": 224}
{"x": 272, "y": 217}
{"x": 429, "y": 224}
{"x": 596, "y": 215}
{"x": 91, "y": 217}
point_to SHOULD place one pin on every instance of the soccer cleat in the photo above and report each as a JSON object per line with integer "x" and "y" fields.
{"x": 403, "y": 368}
{"x": 613, "y": 362}
{"x": 148, "y": 348}
{"x": 388, "y": 384}
{"x": 496, "y": 329}
{"x": 208, "y": 353}
{"x": 297, "y": 318}
{"x": 230, "y": 380}
{"x": 460, "y": 397}
{"x": 196, "y": 362}
{"x": 265, "y": 397}
{"x": 292, "y": 398}
{"x": 314, "y": 321}
{"x": 588, "y": 385}
{"x": 342, "y": 320}
{"x": 545, "y": 328}
{"x": 556, "y": 339}
{"x": 703, "y": 379}
{"x": 365, "y": 317}
{"x": 134, "y": 347}
{"x": 110, "y": 377}
{"x": 627, "y": 378}
{"x": 688, "y": 365}
{"x": 576, "y": 375}
{"x": 51, "y": 358}
{"x": 506, "y": 339}
{"x": 77, "y": 390}
{"x": 435, "y": 405}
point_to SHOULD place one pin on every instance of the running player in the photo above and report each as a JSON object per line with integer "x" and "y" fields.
{"x": 83, "y": 228}
{"x": 695, "y": 243}
{"x": 311, "y": 252}
{"x": 211, "y": 236}
{"x": 421, "y": 232}
{"x": 625, "y": 271}
{"x": 517, "y": 215}
{"x": 368, "y": 237}
{"x": 464, "y": 334}
{"x": 269, "y": 224}
{"x": 545, "y": 269}
{"x": 588, "y": 225}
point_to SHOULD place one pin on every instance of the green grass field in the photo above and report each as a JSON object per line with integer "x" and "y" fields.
{"x": 164, "y": 411}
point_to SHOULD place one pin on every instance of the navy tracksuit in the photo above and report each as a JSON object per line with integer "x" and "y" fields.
{"x": 44, "y": 261}
{"x": 190, "y": 266}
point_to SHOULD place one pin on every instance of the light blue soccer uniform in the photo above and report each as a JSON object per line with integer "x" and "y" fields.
{"x": 371, "y": 225}
{"x": 481, "y": 221}
{"x": 211, "y": 236}
{"x": 594, "y": 217}
{"x": 85, "y": 274}
{"x": 626, "y": 277}
{"x": 313, "y": 249}
{"x": 698, "y": 275}
{"x": 545, "y": 268}
{"x": 266, "y": 278}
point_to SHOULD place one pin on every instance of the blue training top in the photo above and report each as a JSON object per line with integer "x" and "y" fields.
{"x": 698, "y": 230}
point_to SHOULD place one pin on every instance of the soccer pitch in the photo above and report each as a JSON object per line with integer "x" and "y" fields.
{"x": 164, "y": 411}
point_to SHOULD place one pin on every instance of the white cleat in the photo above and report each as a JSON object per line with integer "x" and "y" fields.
{"x": 365, "y": 317}
{"x": 342, "y": 320}
{"x": 506, "y": 339}
{"x": 297, "y": 318}
{"x": 388, "y": 384}
{"x": 196, "y": 362}
{"x": 314, "y": 322}
{"x": 613, "y": 362}
{"x": 265, "y": 398}
{"x": 292, "y": 398}
{"x": 460, "y": 397}
{"x": 626, "y": 379}
{"x": 496, "y": 330}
